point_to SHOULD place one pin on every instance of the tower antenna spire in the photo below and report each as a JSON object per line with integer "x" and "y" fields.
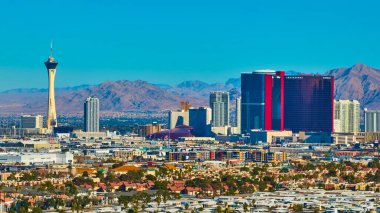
{"x": 51, "y": 48}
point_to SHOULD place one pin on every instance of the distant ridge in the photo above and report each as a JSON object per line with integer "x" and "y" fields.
{"x": 359, "y": 82}
{"x": 32, "y": 90}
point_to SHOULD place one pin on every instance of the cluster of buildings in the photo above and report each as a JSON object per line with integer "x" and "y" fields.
{"x": 282, "y": 123}
{"x": 271, "y": 103}
{"x": 275, "y": 106}
{"x": 231, "y": 156}
{"x": 34, "y": 124}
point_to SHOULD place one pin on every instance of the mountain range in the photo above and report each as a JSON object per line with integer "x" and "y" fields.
{"x": 359, "y": 82}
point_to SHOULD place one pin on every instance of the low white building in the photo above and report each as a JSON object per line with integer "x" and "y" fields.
{"x": 28, "y": 158}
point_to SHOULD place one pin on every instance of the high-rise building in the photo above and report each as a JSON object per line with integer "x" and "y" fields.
{"x": 278, "y": 103}
{"x": 178, "y": 118}
{"x": 51, "y": 65}
{"x": 262, "y": 100}
{"x": 238, "y": 115}
{"x": 181, "y": 117}
{"x": 33, "y": 122}
{"x": 220, "y": 106}
{"x": 91, "y": 115}
{"x": 200, "y": 121}
{"x": 346, "y": 115}
{"x": 371, "y": 120}
{"x": 309, "y": 103}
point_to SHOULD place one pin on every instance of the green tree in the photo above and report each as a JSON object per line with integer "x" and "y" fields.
{"x": 244, "y": 169}
{"x": 70, "y": 189}
{"x": 100, "y": 174}
{"x": 110, "y": 177}
{"x": 284, "y": 170}
{"x": 125, "y": 200}
{"x": 297, "y": 208}
{"x": 151, "y": 177}
{"x": 162, "y": 171}
{"x": 12, "y": 176}
{"x": 158, "y": 198}
{"x": 83, "y": 180}
{"x": 160, "y": 185}
{"x": 219, "y": 209}
{"x": 47, "y": 186}
{"x": 132, "y": 176}
{"x": 245, "y": 207}
{"x": 117, "y": 164}
{"x": 36, "y": 209}
{"x": 374, "y": 164}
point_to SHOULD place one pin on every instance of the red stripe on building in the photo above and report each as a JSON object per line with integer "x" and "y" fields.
{"x": 268, "y": 102}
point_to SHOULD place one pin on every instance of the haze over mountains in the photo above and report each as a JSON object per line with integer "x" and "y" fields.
{"x": 359, "y": 82}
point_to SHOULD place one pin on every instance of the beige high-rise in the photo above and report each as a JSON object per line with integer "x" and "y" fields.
{"x": 51, "y": 121}
{"x": 346, "y": 116}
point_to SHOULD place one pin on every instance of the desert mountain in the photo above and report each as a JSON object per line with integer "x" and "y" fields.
{"x": 359, "y": 82}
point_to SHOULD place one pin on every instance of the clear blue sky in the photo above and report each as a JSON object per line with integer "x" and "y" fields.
{"x": 169, "y": 41}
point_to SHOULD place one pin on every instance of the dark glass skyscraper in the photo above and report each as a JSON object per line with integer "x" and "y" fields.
{"x": 262, "y": 100}
{"x": 200, "y": 121}
{"x": 278, "y": 101}
{"x": 272, "y": 101}
{"x": 309, "y": 103}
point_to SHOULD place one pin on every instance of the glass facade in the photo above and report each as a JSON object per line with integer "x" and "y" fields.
{"x": 200, "y": 121}
{"x": 261, "y": 100}
{"x": 252, "y": 101}
{"x": 309, "y": 103}
{"x": 278, "y": 101}
{"x": 371, "y": 120}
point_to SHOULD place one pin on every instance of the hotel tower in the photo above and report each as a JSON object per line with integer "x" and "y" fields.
{"x": 51, "y": 64}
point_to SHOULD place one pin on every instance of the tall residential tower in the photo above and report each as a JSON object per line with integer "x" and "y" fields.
{"x": 371, "y": 120}
{"x": 238, "y": 115}
{"x": 51, "y": 65}
{"x": 220, "y": 106}
{"x": 346, "y": 116}
{"x": 91, "y": 114}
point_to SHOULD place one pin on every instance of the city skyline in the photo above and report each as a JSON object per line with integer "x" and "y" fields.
{"x": 196, "y": 39}
{"x": 198, "y": 106}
